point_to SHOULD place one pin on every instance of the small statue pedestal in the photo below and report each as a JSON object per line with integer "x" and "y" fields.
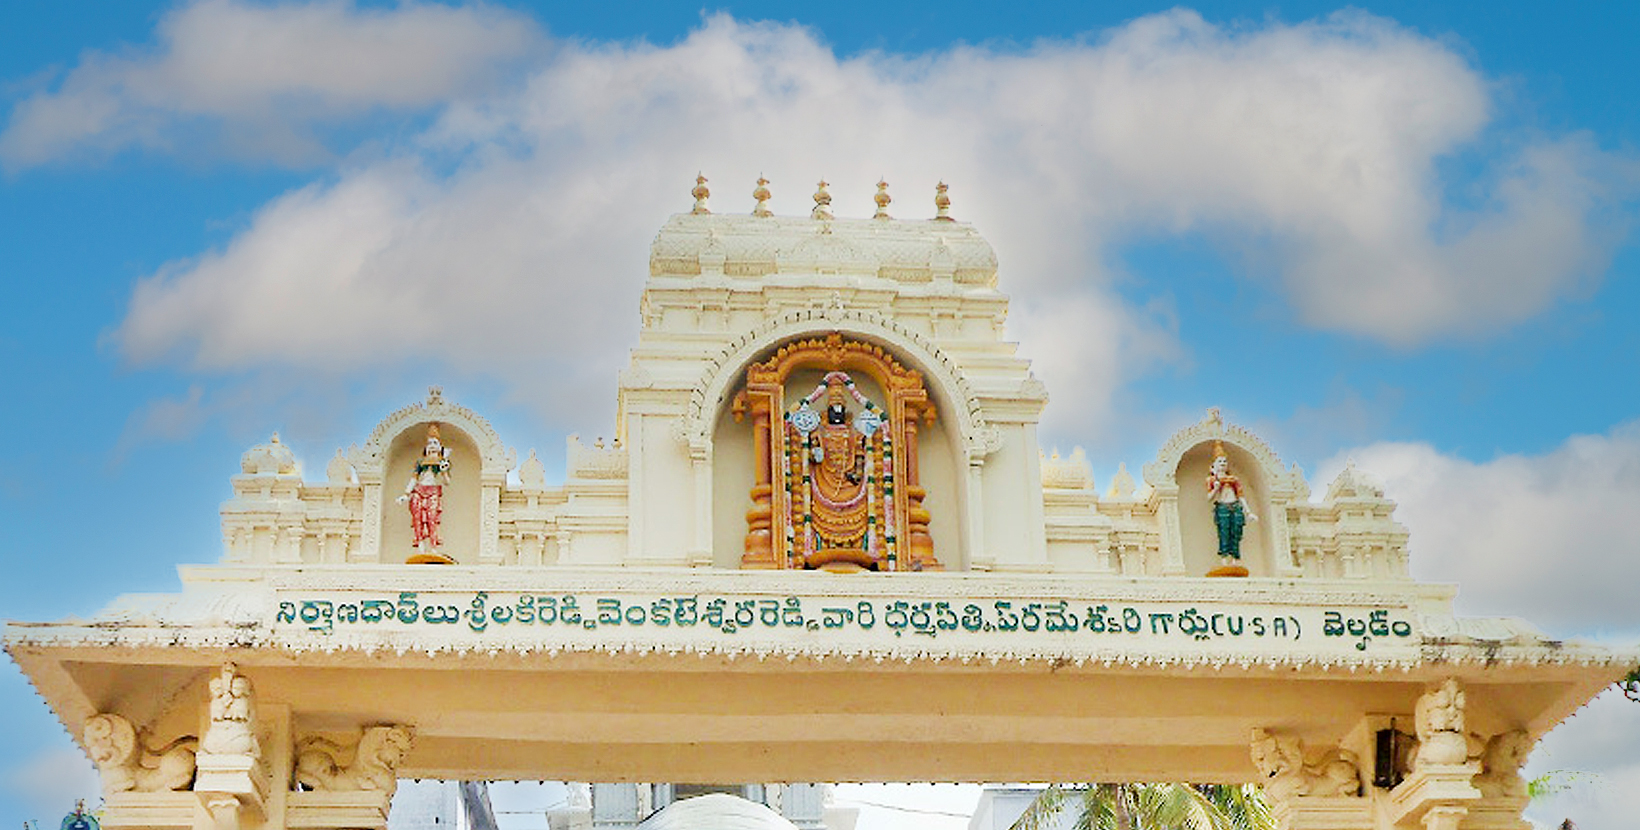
{"x": 1228, "y": 570}
{"x": 423, "y": 558}
{"x": 1500, "y": 813}
{"x": 1311, "y": 812}
{"x": 150, "y": 811}
{"x": 230, "y": 786}
{"x": 1442, "y": 791}
{"x": 321, "y": 810}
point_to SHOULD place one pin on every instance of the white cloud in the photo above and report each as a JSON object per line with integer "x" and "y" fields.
{"x": 263, "y": 74}
{"x": 1551, "y": 538}
{"x": 1318, "y": 139}
{"x": 1592, "y": 756}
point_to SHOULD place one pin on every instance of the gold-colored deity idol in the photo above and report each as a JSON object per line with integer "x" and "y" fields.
{"x": 836, "y": 478}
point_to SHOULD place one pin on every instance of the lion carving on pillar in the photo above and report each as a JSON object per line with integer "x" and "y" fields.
{"x": 370, "y": 763}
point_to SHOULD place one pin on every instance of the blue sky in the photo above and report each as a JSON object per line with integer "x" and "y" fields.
{"x": 1397, "y": 232}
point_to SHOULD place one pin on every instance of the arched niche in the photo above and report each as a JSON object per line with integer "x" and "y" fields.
{"x": 459, "y": 530}
{"x": 961, "y": 412}
{"x": 783, "y": 374}
{"x": 478, "y": 470}
{"x": 1179, "y": 478}
{"x": 1197, "y": 533}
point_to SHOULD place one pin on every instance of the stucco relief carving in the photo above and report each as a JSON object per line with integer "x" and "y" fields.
{"x": 1211, "y": 428}
{"x": 368, "y": 762}
{"x": 1501, "y": 763}
{"x": 233, "y": 716}
{"x": 836, "y": 474}
{"x": 723, "y": 369}
{"x": 126, "y": 762}
{"x": 1280, "y": 759}
{"x": 496, "y": 458}
{"x": 759, "y": 245}
{"x": 1440, "y": 720}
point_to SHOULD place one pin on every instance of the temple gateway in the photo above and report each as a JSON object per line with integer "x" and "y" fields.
{"x": 823, "y": 545}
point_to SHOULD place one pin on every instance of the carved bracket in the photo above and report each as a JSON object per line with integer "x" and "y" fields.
{"x": 127, "y": 763}
{"x": 368, "y": 762}
{"x": 1289, "y": 773}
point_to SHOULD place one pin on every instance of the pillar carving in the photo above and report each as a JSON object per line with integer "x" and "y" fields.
{"x": 127, "y": 761}
{"x": 368, "y": 761}
{"x": 232, "y": 778}
{"x": 1501, "y": 762}
{"x": 760, "y": 518}
{"x": 1439, "y": 793}
{"x": 1310, "y": 789}
{"x": 1289, "y": 772}
{"x": 348, "y": 781}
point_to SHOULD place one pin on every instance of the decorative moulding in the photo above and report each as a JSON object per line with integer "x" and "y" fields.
{"x": 370, "y": 460}
{"x": 724, "y": 370}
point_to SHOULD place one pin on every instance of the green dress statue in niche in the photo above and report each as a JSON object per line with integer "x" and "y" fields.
{"x": 1230, "y": 510}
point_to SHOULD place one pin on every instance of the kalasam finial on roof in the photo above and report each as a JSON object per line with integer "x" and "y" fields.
{"x": 761, "y": 194}
{"x": 942, "y": 203}
{"x": 701, "y": 193}
{"x": 822, "y": 202}
{"x": 882, "y": 199}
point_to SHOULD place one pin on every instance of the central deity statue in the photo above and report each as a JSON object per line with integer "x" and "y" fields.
{"x": 835, "y": 483}
{"x": 842, "y": 477}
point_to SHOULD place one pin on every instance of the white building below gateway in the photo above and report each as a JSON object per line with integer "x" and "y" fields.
{"x": 824, "y": 545}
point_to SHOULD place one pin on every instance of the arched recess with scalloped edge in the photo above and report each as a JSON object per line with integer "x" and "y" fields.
{"x": 479, "y": 466}
{"x": 945, "y": 446}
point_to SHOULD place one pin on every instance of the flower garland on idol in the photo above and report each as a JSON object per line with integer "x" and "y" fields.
{"x": 803, "y": 450}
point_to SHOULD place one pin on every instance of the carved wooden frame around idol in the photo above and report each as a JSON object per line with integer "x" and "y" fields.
{"x": 770, "y": 517}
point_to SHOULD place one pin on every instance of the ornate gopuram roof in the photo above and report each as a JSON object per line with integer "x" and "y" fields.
{"x": 820, "y": 544}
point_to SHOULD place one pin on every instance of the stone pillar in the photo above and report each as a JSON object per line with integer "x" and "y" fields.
{"x": 1167, "y": 514}
{"x": 370, "y": 526}
{"x": 760, "y": 541}
{"x": 980, "y": 558}
{"x": 920, "y": 543}
{"x": 1439, "y": 792}
{"x": 700, "y": 462}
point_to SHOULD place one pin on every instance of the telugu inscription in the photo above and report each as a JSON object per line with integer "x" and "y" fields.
{"x": 484, "y": 611}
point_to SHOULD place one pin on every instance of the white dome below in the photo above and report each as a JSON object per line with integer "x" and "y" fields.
{"x": 716, "y": 811}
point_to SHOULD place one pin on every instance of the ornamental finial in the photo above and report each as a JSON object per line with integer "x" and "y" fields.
{"x": 761, "y": 194}
{"x": 882, "y": 199}
{"x": 435, "y": 395}
{"x": 942, "y": 203}
{"x": 701, "y": 193}
{"x": 822, "y": 202}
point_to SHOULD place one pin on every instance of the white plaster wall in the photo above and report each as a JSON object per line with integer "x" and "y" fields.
{"x": 732, "y": 478}
{"x": 1014, "y": 527}
{"x": 459, "y": 531}
{"x": 938, "y": 474}
{"x": 664, "y": 494}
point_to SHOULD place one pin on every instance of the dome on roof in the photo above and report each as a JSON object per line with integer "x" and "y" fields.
{"x": 716, "y": 811}
{"x": 272, "y": 458}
